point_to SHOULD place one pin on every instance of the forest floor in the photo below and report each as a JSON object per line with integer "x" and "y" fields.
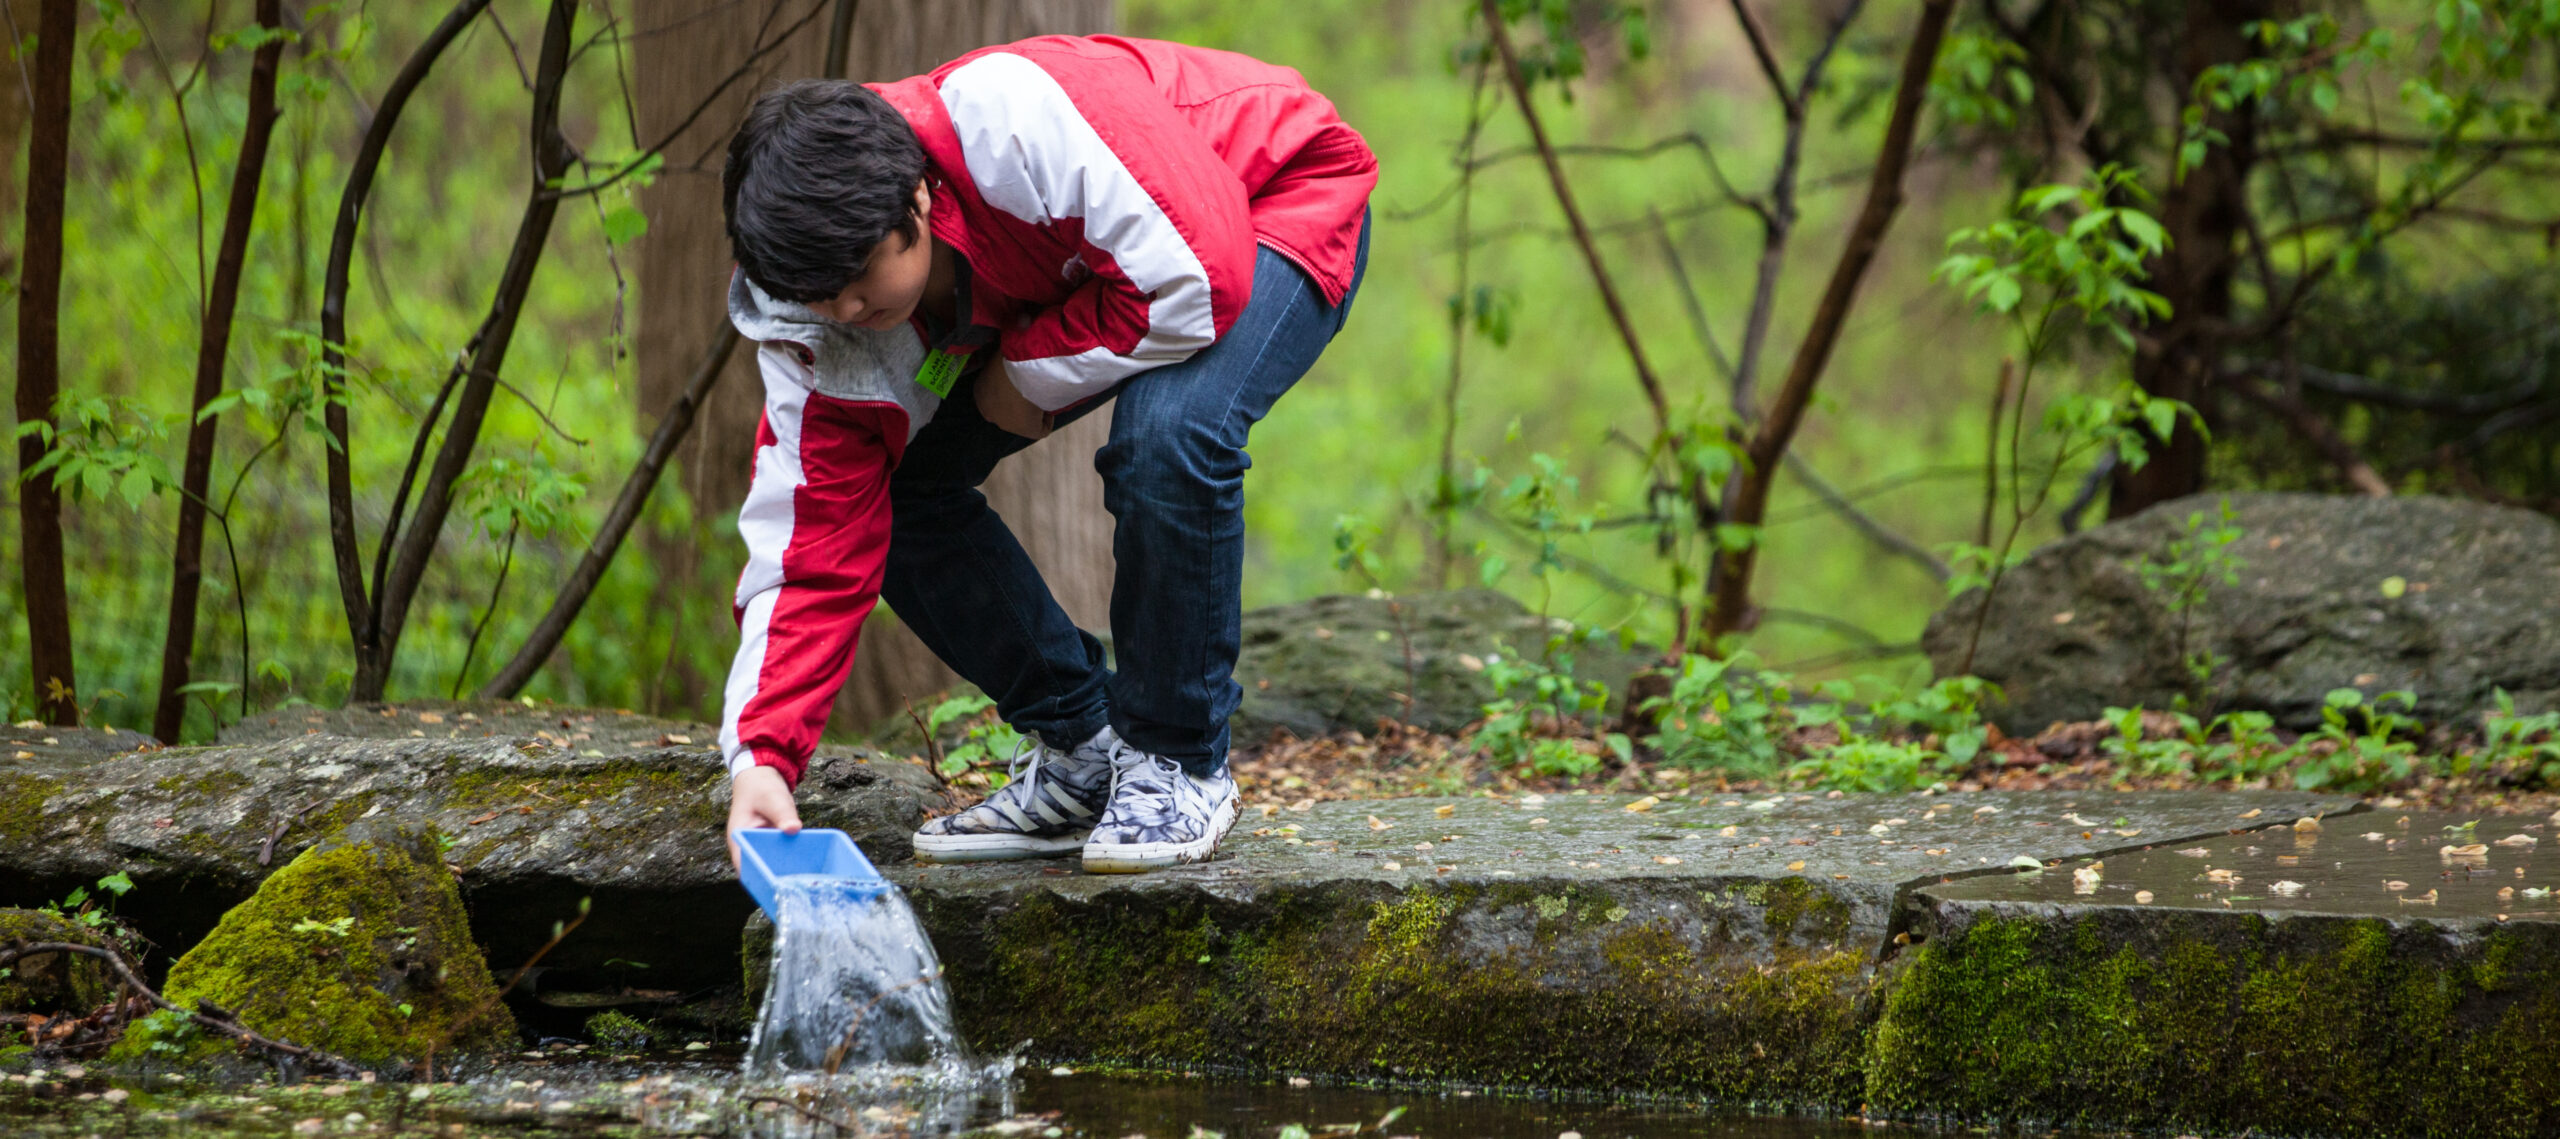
{"x": 1397, "y": 760}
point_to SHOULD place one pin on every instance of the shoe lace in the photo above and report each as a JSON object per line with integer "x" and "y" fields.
{"x": 1129, "y": 763}
{"x": 1022, "y": 769}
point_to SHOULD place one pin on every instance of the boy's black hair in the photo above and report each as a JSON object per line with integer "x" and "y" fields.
{"x": 820, "y": 173}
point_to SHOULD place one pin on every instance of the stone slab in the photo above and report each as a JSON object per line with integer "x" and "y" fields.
{"x": 1726, "y": 949}
{"x": 2351, "y": 980}
{"x": 536, "y": 826}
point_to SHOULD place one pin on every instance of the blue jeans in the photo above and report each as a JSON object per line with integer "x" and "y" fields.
{"x": 1173, "y": 478}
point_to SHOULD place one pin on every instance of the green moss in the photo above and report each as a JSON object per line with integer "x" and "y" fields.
{"x": 2210, "y": 1023}
{"x": 52, "y": 982}
{"x": 22, "y": 800}
{"x": 359, "y": 946}
{"x": 199, "y": 788}
{"x": 618, "y": 1031}
{"x": 1603, "y": 988}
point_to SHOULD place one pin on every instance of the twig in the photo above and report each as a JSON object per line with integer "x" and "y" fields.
{"x": 1731, "y": 611}
{"x": 2315, "y": 431}
{"x": 206, "y": 1014}
{"x": 1890, "y": 540}
{"x": 559, "y": 933}
{"x": 1563, "y": 189}
{"x": 582, "y": 581}
{"x": 1991, "y": 448}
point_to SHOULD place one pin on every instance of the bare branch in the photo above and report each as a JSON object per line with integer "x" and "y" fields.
{"x": 2313, "y": 430}
{"x": 547, "y": 633}
{"x": 1652, "y": 384}
{"x": 1768, "y": 60}
{"x": 1731, "y": 611}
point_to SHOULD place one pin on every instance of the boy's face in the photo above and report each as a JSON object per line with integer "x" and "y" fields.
{"x": 886, "y": 293}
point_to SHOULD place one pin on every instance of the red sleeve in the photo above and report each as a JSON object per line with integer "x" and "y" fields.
{"x": 1090, "y": 147}
{"x": 816, "y": 524}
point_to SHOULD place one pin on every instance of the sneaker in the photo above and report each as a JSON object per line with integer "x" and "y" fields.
{"x": 1160, "y": 815}
{"x": 1045, "y": 809}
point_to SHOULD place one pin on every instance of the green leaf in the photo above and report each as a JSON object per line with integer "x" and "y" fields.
{"x": 116, "y": 883}
{"x": 623, "y": 223}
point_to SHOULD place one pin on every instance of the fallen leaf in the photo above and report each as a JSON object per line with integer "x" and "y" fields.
{"x": 2307, "y": 825}
{"x": 1303, "y": 805}
{"x": 2077, "y": 821}
{"x": 2128, "y": 832}
{"x": 480, "y": 820}
{"x": 2395, "y": 884}
{"x": 2222, "y": 877}
{"x": 1270, "y": 809}
{"x": 1391, "y": 865}
{"x": 2506, "y": 893}
{"x": 1667, "y": 859}
{"x": 430, "y": 718}
{"x": 2195, "y": 852}
{"x": 2085, "y": 880}
{"x": 2373, "y": 836}
{"x": 2284, "y": 889}
{"x": 2142, "y": 897}
{"x": 2518, "y": 840}
{"x": 2394, "y": 586}
{"x": 2425, "y": 899}
{"x": 26, "y": 755}
{"x": 1729, "y": 832}
{"x": 1986, "y": 810}
{"x": 1422, "y": 846}
{"x": 1378, "y": 824}
{"x": 2468, "y": 852}
{"x": 2252, "y": 813}
{"x": 1796, "y": 865}
{"x": 1647, "y": 803}
{"x": 2026, "y": 862}
{"x": 1537, "y": 822}
{"x": 1445, "y": 810}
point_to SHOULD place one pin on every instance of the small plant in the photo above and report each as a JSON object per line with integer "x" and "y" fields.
{"x": 1727, "y": 715}
{"x": 2528, "y": 745}
{"x": 336, "y": 927}
{"x": 986, "y": 741}
{"x": 1537, "y": 728}
{"x": 2180, "y": 577}
{"x": 2362, "y": 752}
{"x": 2140, "y": 755}
{"x": 1868, "y": 763}
{"x": 618, "y": 1031}
{"x": 1950, "y": 709}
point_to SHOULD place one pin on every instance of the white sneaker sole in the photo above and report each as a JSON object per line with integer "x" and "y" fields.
{"x": 1139, "y": 857}
{"x": 994, "y": 847}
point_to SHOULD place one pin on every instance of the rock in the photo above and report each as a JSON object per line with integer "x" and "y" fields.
{"x": 1568, "y": 943}
{"x": 52, "y": 982}
{"x": 632, "y": 823}
{"x": 2306, "y": 997}
{"x": 2445, "y": 598}
{"x": 358, "y": 947}
{"x": 1337, "y": 663}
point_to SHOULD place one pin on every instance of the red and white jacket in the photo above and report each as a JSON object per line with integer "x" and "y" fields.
{"x": 1109, "y": 195}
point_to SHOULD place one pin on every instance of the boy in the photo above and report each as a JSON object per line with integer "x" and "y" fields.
{"x": 940, "y": 271}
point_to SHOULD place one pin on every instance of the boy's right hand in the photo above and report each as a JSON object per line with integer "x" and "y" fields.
{"x": 1003, "y": 404}
{"x": 759, "y": 798}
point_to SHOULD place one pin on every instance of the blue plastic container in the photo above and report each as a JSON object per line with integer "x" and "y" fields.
{"x": 766, "y": 856}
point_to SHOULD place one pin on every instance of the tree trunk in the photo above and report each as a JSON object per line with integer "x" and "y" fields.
{"x": 1049, "y": 493}
{"x": 213, "y": 343}
{"x": 48, "y": 597}
{"x": 2205, "y": 214}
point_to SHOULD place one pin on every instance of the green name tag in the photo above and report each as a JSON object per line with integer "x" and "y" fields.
{"x": 941, "y": 369}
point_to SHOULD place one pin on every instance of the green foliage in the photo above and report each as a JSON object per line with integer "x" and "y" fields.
{"x": 2528, "y": 744}
{"x": 1544, "y": 719}
{"x": 985, "y": 739}
{"x": 2180, "y": 576}
{"x": 1725, "y": 715}
{"x": 2066, "y": 248}
{"x": 1980, "y": 80}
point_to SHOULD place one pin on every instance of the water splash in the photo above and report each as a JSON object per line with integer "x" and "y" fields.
{"x": 855, "y": 984}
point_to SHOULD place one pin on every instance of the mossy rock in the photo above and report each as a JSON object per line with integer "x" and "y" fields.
{"x": 52, "y": 982}
{"x": 2220, "y": 1022}
{"x": 358, "y": 947}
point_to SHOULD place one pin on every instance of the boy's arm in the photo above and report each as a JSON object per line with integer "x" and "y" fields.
{"x": 816, "y": 524}
{"x": 1164, "y": 225}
